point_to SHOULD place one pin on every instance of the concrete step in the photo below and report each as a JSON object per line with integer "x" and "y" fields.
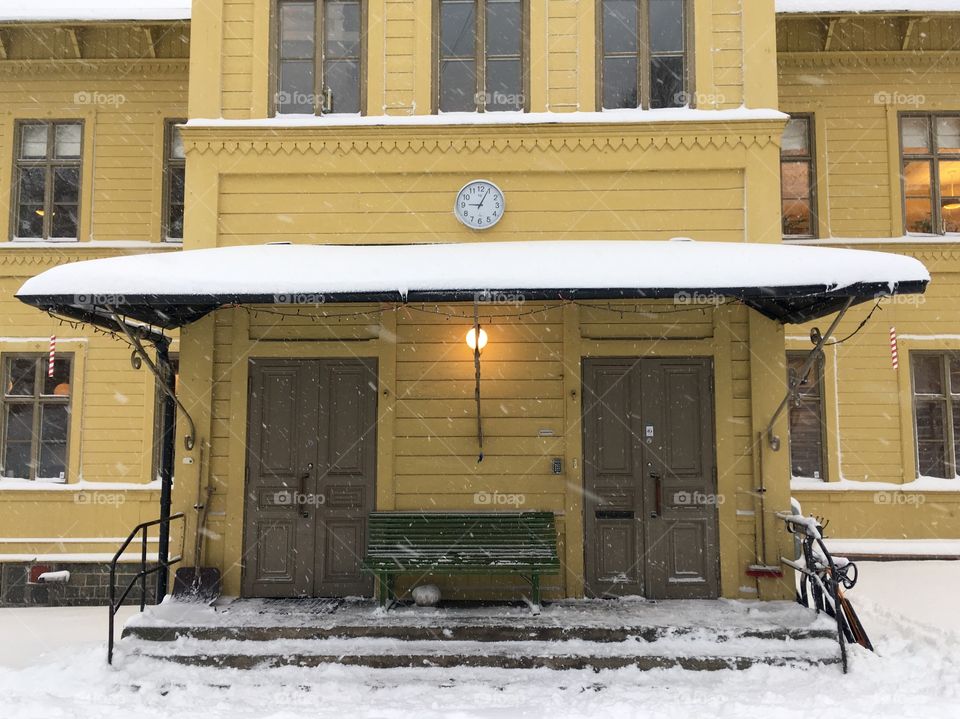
{"x": 693, "y": 651}
{"x": 461, "y": 631}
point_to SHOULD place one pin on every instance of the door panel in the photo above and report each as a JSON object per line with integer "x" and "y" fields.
{"x": 650, "y": 506}
{"x": 613, "y": 498}
{"x": 348, "y": 419}
{"x": 282, "y": 441}
{"x": 311, "y": 467}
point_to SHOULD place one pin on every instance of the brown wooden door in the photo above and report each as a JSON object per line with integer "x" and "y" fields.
{"x": 311, "y": 465}
{"x": 650, "y": 498}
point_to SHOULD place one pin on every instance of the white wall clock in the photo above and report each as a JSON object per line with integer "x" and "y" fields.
{"x": 480, "y": 205}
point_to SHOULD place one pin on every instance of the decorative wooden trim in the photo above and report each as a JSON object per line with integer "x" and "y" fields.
{"x": 500, "y": 139}
{"x": 861, "y": 58}
{"x": 3, "y": 46}
{"x": 124, "y": 68}
{"x": 75, "y": 36}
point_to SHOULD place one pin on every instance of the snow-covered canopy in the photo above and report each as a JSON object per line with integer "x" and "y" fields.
{"x": 789, "y": 283}
{"x": 93, "y": 10}
{"x": 865, "y": 6}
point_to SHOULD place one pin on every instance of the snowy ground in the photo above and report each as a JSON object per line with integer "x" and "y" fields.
{"x": 909, "y": 609}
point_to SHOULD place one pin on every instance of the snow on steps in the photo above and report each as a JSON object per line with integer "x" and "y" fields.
{"x": 606, "y": 635}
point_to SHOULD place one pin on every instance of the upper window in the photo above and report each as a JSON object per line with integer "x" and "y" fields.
{"x": 319, "y": 57}
{"x": 46, "y": 183}
{"x": 807, "y": 458}
{"x": 931, "y": 173}
{"x": 798, "y": 179}
{"x": 35, "y": 417}
{"x": 481, "y": 55}
{"x": 644, "y": 53}
{"x": 936, "y": 402}
{"x": 174, "y": 179}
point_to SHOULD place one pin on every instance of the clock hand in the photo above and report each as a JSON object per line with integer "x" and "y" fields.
{"x": 483, "y": 200}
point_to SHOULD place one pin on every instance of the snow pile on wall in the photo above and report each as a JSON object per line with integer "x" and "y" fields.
{"x": 93, "y": 10}
{"x": 858, "y": 6}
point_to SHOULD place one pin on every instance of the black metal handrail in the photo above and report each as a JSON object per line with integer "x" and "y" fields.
{"x": 140, "y": 576}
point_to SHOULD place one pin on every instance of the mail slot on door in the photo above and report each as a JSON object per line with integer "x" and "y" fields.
{"x": 613, "y": 514}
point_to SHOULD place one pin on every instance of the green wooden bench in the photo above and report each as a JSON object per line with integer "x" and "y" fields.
{"x": 522, "y": 543}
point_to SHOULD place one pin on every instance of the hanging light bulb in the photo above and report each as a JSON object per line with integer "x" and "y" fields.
{"x": 472, "y": 338}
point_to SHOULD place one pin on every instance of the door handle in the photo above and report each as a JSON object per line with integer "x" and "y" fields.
{"x": 658, "y": 495}
{"x": 302, "y": 495}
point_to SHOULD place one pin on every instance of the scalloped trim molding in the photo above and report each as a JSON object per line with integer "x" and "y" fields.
{"x": 122, "y": 68}
{"x": 860, "y": 58}
{"x": 468, "y": 145}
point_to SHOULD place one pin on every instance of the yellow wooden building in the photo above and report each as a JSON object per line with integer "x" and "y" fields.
{"x": 632, "y": 390}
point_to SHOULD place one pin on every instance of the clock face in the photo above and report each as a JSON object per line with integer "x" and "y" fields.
{"x": 480, "y": 205}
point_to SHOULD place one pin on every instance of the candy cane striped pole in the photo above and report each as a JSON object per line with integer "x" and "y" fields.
{"x": 894, "y": 352}
{"x": 53, "y": 355}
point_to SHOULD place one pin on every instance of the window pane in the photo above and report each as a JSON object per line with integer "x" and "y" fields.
{"x": 948, "y": 134}
{"x": 806, "y": 439}
{"x": 504, "y": 85}
{"x": 797, "y": 217}
{"x": 175, "y": 202}
{"x": 504, "y": 27}
{"x": 917, "y": 188}
{"x": 64, "y": 222}
{"x": 16, "y": 454}
{"x": 796, "y": 137}
{"x": 457, "y": 28}
{"x": 955, "y": 375}
{"x": 33, "y": 142}
{"x": 341, "y": 29}
{"x": 620, "y": 84}
{"x": 30, "y": 222}
{"x": 176, "y": 144}
{"x": 620, "y": 24}
{"x": 68, "y": 140}
{"x": 931, "y": 440}
{"x": 950, "y": 194}
{"x": 66, "y": 185}
{"x": 59, "y": 384}
{"x": 297, "y": 30}
{"x": 916, "y": 135}
{"x": 296, "y": 94}
{"x": 927, "y": 374}
{"x": 666, "y": 25}
{"x": 666, "y": 82}
{"x": 21, "y": 377}
{"x": 795, "y": 178}
{"x": 19, "y": 423}
{"x": 53, "y": 441}
{"x": 343, "y": 79}
{"x": 33, "y": 182}
{"x": 458, "y": 86}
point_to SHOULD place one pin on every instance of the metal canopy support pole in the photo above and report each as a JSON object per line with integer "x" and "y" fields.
{"x": 476, "y": 367}
{"x": 794, "y": 382}
{"x": 167, "y": 455}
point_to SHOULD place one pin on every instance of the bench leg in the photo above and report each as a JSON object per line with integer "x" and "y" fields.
{"x": 535, "y": 591}
{"x": 382, "y": 588}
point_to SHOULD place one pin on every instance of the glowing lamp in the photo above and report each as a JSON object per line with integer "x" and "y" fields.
{"x": 472, "y": 339}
